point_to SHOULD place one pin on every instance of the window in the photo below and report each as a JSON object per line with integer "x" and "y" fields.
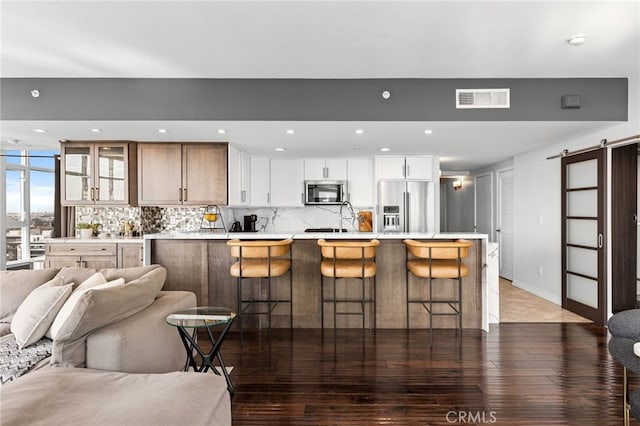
{"x": 29, "y": 187}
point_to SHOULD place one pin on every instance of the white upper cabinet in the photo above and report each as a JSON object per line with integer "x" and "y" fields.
{"x": 360, "y": 181}
{"x": 418, "y": 167}
{"x": 323, "y": 169}
{"x": 287, "y": 183}
{"x": 239, "y": 177}
{"x": 260, "y": 179}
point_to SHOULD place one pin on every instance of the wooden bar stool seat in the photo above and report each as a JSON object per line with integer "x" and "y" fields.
{"x": 433, "y": 260}
{"x": 261, "y": 259}
{"x": 349, "y": 259}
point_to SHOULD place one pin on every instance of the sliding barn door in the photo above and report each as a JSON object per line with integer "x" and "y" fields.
{"x": 583, "y": 234}
{"x": 624, "y": 230}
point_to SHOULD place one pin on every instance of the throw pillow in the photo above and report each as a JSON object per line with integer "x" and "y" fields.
{"x": 15, "y": 286}
{"x": 93, "y": 281}
{"x": 38, "y": 310}
{"x": 97, "y": 307}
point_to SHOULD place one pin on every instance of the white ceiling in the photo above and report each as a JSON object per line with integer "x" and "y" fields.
{"x": 322, "y": 39}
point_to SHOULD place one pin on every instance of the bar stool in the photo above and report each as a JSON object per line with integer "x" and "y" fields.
{"x": 261, "y": 259}
{"x": 349, "y": 259}
{"x": 437, "y": 260}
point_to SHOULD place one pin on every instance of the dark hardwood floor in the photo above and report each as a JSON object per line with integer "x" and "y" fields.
{"x": 518, "y": 374}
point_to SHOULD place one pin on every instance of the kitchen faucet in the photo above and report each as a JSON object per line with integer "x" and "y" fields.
{"x": 351, "y": 218}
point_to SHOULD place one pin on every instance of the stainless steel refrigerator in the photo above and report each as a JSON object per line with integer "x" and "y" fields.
{"x": 403, "y": 206}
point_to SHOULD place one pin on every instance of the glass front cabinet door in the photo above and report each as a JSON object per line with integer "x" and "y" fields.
{"x": 95, "y": 173}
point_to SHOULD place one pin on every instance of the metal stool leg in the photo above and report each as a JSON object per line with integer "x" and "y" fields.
{"x": 239, "y": 304}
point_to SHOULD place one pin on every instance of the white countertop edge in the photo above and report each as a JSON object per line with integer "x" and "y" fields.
{"x": 94, "y": 240}
{"x": 308, "y": 235}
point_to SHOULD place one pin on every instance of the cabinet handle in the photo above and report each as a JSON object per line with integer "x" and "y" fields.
{"x": 325, "y": 172}
{"x": 268, "y": 197}
{"x": 243, "y": 196}
{"x": 404, "y": 171}
{"x": 600, "y": 240}
{"x": 179, "y": 194}
{"x": 78, "y": 263}
{"x": 408, "y": 170}
{"x": 100, "y": 249}
{"x": 141, "y": 254}
{"x": 302, "y": 197}
{"x": 97, "y": 195}
{"x": 185, "y": 194}
{"x": 83, "y": 264}
{"x": 91, "y": 194}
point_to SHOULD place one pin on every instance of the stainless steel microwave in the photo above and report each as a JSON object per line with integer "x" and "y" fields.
{"x": 325, "y": 191}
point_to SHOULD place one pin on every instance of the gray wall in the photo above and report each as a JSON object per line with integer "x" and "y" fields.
{"x": 603, "y": 99}
{"x": 459, "y": 207}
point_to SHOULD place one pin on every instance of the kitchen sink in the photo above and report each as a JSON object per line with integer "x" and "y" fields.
{"x": 325, "y": 230}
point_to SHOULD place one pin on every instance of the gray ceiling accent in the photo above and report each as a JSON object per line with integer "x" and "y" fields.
{"x": 535, "y": 99}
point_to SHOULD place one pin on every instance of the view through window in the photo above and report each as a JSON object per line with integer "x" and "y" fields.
{"x": 30, "y": 192}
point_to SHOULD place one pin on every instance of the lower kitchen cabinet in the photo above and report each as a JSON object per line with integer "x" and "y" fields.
{"x": 93, "y": 254}
{"x": 130, "y": 255}
{"x": 83, "y": 255}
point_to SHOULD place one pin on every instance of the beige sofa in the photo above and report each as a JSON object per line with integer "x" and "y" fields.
{"x": 140, "y": 343}
{"x": 130, "y": 354}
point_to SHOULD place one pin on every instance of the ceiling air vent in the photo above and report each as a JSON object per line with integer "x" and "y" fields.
{"x": 482, "y": 98}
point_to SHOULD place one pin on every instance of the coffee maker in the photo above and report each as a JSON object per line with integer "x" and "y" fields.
{"x": 250, "y": 223}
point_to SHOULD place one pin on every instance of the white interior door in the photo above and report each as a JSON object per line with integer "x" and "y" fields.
{"x": 483, "y": 201}
{"x": 504, "y": 228}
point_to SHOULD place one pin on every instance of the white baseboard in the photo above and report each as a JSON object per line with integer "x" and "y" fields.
{"x": 540, "y": 293}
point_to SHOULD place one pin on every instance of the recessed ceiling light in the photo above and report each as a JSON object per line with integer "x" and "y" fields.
{"x": 96, "y": 130}
{"x": 281, "y": 149}
{"x": 359, "y": 131}
{"x": 385, "y": 149}
{"x": 35, "y": 93}
{"x": 428, "y": 131}
{"x": 290, "y": 131}
{"x": 577, "y": 40}
{"x": 386, "y": 94}
{"x": 40, "y": 130}
{"x": 221, "y": 131}
{"x": 162, "y": 131}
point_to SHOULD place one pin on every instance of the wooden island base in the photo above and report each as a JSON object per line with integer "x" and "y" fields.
{"x": 202, "y": 266}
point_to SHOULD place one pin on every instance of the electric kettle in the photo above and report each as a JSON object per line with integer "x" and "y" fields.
{"x": 236, "y": 227}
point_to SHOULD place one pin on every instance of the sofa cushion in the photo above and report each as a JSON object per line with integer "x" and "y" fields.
{"x": 74, "y": 274}
{"x": 15, "y": 286}
{"x": 38, "y": 310}
{"x": 99, "y": 306}
{"x": 94, "y": 280}
{"x": 73, "y": 310}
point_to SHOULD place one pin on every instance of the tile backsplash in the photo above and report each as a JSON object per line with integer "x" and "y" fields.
{"x": 163, "y": 219}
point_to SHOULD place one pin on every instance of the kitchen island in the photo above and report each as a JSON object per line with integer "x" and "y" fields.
{"x": 200, "y": 262}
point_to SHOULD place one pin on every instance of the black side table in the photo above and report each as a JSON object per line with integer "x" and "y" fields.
{"x": 203, "y": 317}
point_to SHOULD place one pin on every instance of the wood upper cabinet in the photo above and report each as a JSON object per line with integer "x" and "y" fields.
{"x": 182, "y": 173}
{"x": 98, "y": 173}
